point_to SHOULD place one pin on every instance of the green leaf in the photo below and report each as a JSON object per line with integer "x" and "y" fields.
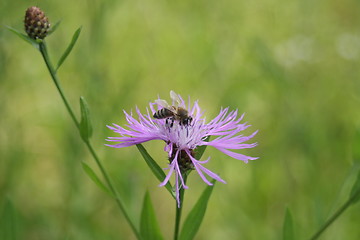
{"x": 201, "y": 149}
{"x": 53, "y": 28}
{"x": 149, "y": 227}
{"x": 85, "y": 123}
{"x": 155, "y": 168}
{"x": 288, "y": 231}
{"x": 355, "y": 145}
{"x": 95, "y": 178}
{"x": 69, "y": 48}
{"x": 26, "y": 38}
{"x": 355, "y": 191}
{"x": 196, "y": 216}
{"x": 344, "y": 190}
{"x": 8, "y": 223}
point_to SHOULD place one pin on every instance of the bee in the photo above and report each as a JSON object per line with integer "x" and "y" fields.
{"x": 172, "y": 113}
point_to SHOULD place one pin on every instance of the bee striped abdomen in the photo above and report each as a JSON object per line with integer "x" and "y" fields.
{"x": 163, "y": 113}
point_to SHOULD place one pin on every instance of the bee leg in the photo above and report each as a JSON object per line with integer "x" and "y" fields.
{"x": 172, "y": 122}
{"x": 186, "y": 121}
{"x": 168, "y": 122}
{"x": 189, "y": 120}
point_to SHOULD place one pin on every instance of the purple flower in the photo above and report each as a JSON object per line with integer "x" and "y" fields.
{"x": 183, "y": 129}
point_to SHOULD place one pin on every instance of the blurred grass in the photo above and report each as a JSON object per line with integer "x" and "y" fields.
{"x": 292, "y": 66}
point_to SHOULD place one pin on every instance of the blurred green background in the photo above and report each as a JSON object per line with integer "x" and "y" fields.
{"x": 292, "y": 66}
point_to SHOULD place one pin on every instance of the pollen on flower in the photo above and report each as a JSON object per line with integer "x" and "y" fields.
{"x": 183, "y": 132}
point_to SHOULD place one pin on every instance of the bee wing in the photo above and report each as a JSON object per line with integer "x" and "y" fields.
{"x": 162, "y": 103}
{"x": 175, "y": 97}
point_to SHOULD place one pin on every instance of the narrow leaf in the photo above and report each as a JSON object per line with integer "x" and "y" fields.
{"x": 155, "y": 168}
{"x": 88, "y": 170}
{"x": 196, "y": 216}
{"x": 355, "y": 191}
{"x": 344, "y": 189}
{"x": 8, "y": 223}
{"x": 69, "y": 48}
{"x": 85, "y": 123}
{"x": 201, "y": 149}
{"x": 288, "y": 231}
{"x": 54, "y": 27}
{"x": 26, "y": 38}
{"x": 149, "y": 227}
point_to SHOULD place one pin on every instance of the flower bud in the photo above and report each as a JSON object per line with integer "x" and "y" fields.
{"x": 36, "y": 23}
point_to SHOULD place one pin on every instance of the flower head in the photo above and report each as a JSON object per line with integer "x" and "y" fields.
{"x": 36, "y": 23}
{"x": 183, "y": 129}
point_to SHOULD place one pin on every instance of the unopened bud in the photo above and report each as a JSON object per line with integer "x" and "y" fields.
{"x": 36, "y": 23}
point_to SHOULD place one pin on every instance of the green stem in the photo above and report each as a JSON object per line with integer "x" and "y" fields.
{"x": 179, "y": 209}
{"x": 44, "y": 53}
{"x": 336, "y": 215}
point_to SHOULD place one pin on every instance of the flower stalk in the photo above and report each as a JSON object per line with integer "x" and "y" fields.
{"x": 347, "y": 204}
{"x": 179, "y": 209}
{"x": 44, "y": 53}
